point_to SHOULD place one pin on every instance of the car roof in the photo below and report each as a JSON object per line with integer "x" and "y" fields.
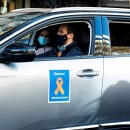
{"x": 31, "y": 10}
{"x": 74, "y": 9}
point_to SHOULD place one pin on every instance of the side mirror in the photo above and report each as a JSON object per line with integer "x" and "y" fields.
{"x": 18, "y": 52}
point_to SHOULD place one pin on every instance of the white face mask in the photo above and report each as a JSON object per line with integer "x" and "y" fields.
{"x": 43, "y": 40}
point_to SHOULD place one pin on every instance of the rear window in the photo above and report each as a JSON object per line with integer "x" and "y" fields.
{"x": 120, "y": 37}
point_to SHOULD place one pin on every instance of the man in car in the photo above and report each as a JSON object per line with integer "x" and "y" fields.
{"x": 66, "y": 43}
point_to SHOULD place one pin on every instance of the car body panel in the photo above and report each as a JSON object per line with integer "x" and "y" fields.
{"x": 115, "y": 107}
{"x": 24, "y": 88}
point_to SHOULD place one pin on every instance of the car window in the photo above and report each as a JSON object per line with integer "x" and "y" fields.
{"x": 11, "y": 20}
{"x": 82, "y": 36}
{"x": 120, "y": 37}
{"x": 25, "y": 39}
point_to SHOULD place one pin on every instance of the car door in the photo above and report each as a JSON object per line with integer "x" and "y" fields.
{"x": 116, "y": 83}
{"x": 52, "y": 93}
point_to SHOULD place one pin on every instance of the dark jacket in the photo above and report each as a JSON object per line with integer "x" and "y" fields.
{"x": 71, "y": 50}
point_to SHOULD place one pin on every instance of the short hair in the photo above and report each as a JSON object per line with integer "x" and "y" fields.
{"x": 71, "y": 29}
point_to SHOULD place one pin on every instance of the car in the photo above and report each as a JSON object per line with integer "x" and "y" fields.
{"x": 88, "y": 91}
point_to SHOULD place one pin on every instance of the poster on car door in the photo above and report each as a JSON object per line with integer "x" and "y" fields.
{"x": 59, "y": 88}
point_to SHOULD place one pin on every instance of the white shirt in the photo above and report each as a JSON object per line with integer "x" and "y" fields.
{"x": 43, "y": 50}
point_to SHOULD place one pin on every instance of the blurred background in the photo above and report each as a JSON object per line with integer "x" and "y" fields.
{"x": 9, "y": 5}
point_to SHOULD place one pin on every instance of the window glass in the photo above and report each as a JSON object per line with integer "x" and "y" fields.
{"x": 120, "y": 37}
{"x": 11, "y": 20}
{"x": 25, "y": 39}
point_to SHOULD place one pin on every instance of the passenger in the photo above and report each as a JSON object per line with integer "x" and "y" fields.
{"x": 66, "y": 43}
{"x": 43, "y": 41}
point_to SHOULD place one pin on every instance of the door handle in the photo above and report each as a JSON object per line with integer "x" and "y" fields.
{"x": 87, "y": 73}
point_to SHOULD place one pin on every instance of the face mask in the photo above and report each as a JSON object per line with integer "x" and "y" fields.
{"x": 61, "y": 48}
{"x": 60, "y": 39}
{"x": 43, "y": 40}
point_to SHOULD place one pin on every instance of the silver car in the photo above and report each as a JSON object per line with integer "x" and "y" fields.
{"x": 94, "y": 88}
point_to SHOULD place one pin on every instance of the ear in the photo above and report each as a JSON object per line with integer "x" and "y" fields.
{"x": 70, "y": 36}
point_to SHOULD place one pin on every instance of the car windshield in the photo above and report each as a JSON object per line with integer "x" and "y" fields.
{"x": 11, "y": 20}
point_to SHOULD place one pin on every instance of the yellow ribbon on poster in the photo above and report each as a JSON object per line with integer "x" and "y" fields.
{"x": 59, "y": 83}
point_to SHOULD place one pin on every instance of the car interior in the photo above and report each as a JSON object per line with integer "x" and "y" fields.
{"x": 120, "y": 37}
{"x": 82, "y": 36}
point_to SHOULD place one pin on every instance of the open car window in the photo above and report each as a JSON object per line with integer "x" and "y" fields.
{"x": 82, "y": 38}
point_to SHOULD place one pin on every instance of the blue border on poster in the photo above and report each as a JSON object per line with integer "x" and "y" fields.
{"x": 59, "y": 89}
